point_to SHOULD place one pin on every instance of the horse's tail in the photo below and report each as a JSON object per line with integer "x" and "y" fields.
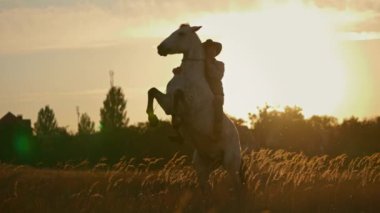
{"x": 242, "y": 171}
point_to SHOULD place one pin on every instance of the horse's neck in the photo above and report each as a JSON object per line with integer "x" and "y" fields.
{"x": 193, "y": 70}
{"x": 193, "y": 64}
{"x": 196, "y": 52}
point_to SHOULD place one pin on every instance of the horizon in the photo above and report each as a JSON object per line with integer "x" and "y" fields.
{"x": 320, "y": 56}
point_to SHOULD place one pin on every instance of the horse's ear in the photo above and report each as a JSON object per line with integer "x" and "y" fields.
{"x": 196, "y": 28}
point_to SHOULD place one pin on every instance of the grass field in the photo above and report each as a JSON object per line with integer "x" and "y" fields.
{"x": 276, "y": 181}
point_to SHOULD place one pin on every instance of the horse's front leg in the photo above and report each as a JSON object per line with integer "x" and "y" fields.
{"x": 164, "y": 100}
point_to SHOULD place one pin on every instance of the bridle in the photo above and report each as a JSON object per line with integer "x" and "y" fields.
{"x": 193, "y": 59}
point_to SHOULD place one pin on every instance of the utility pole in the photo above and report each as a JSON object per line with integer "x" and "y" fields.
{"x": 111, "y": 78}
{"x": 78, "y": 114}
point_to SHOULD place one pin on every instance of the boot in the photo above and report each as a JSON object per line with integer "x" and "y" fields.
{"x": 218, "y": 119}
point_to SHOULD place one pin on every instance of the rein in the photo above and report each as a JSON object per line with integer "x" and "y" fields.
{"x": 193, "y": 59}
{"x": 178, "y": 70}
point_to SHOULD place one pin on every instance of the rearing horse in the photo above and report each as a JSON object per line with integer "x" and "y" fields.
{"x": 195, "y": 108}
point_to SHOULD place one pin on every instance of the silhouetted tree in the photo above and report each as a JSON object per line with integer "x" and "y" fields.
{"x": 113, "y": 115}
{"x": 286, "y": 129}
{"x": 85, "y": 125}
{"x": 237, "y": 121}
{"x": 46, "y": 123}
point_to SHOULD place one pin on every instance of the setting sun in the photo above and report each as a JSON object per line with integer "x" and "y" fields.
{"x": 189, "y": 106}
{"x": 280, "y": 55}
{"x": 300, "y": 53}
{"x": 283, "y": 54}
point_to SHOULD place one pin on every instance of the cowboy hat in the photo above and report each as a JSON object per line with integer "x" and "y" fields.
{"x": 215, "y": 46}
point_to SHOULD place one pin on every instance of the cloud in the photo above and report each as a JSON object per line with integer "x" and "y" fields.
{"x": 369, "y": 25}
{"x": 370, "y": 9}
{"x": 41, "y": 28}
{"x": 44, "y": 24}
{"x": 359, "y": 5}
{"x": 154, "y": 5}
{"x": 53, "y": 24}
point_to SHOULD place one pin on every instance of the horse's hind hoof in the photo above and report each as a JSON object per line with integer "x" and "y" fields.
{"x": 177, "y": 139}
{"x": 153, "y": 120}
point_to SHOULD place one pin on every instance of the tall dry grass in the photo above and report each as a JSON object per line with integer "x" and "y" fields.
{"x": 276, "y": 181}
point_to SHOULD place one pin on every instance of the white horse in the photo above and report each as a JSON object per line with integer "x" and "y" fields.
{"x": 195, "y": 108}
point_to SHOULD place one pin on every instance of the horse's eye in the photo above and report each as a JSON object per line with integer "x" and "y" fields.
{"x": 181, "y": 33}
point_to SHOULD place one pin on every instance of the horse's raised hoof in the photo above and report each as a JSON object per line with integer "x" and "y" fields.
{"x": 153, "y": 120}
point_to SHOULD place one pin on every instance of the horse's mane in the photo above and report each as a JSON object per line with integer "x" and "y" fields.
{"x": 184, "y": 25}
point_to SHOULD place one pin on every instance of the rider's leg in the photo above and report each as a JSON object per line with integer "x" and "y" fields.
{"x": 218, "y": 115}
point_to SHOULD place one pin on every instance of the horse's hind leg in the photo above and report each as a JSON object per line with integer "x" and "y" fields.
{"x": 178, "y": 100}
{"x": 203, "y": 169}
{"x": 232, "y": 163}
{"x": 164, "y": 100}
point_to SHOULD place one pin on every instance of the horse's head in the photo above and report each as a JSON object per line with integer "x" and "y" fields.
{"x": 180, "y": 41}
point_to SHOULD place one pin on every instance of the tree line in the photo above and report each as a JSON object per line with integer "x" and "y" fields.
{"x": 269, "y": 128}
{"x": 290, "y": 130}
{"x": 113, "y": 116}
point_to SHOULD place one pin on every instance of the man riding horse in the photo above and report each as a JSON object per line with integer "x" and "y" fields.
{"x": 214, "y": 71}
{"x": 194, "y": 97}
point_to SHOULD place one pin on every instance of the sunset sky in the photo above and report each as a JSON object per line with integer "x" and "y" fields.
{"x": 321, "y": 55}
